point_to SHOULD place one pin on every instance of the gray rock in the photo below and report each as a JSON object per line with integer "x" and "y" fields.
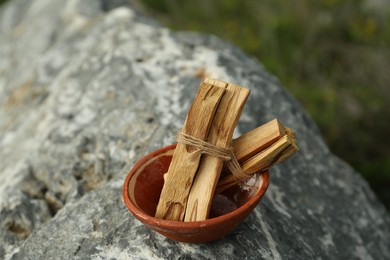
{"x": 85, "y": 93}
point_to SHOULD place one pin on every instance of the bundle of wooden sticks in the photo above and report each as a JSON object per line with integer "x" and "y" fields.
{"x": 205, "y": 145}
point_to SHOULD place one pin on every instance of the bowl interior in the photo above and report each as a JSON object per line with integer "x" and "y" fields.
{"x": 146, "y": 183}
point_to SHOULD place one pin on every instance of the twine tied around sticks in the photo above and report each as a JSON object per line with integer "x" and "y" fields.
{"x": 225, "y": 154}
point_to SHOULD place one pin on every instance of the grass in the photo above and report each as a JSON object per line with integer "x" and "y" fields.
{"x": 333, "y": 55}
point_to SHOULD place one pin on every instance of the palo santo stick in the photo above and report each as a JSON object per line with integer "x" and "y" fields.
{"x": 185, "y": 160}
{"x": 256, "y": 140}
{"x": 282, "y": 149}
{"x": 221, "y": 132}
{"x": 270, "y": 156}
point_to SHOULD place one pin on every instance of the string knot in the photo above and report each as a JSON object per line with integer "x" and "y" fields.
{"x": 226, "y": 154}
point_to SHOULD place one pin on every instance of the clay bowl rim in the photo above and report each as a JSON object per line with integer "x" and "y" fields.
{"x": 179, "y": 225}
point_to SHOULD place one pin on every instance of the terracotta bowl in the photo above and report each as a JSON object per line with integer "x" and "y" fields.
{"x": 143, "y": 185}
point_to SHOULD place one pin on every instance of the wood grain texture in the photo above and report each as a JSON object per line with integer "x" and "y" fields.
{"x": 279, "y": 151}
{"x": 270, "y": 156}
{"x": 185, "y": 160}
{"x": 221, "y": 132}
{"x": 256, "y": 140}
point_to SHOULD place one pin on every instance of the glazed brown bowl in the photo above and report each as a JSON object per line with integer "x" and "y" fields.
{"x": 143, "y": 185}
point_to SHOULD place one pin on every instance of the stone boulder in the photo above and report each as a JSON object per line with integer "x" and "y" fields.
{"x": 88, "y": 87}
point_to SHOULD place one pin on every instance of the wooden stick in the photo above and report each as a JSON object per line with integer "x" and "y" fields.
{"x": 256, "y": 140}
{"x": 185, "y": 160}
{"x": 275, "y": 154}
{"x": 225, "y": 120}
{"x": 269, "y": 157}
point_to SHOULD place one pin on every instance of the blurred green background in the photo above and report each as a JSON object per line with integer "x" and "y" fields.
{"x": 333, "y": 55}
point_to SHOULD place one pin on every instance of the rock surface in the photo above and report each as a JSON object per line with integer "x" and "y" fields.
{"x": 87, "y": 88}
